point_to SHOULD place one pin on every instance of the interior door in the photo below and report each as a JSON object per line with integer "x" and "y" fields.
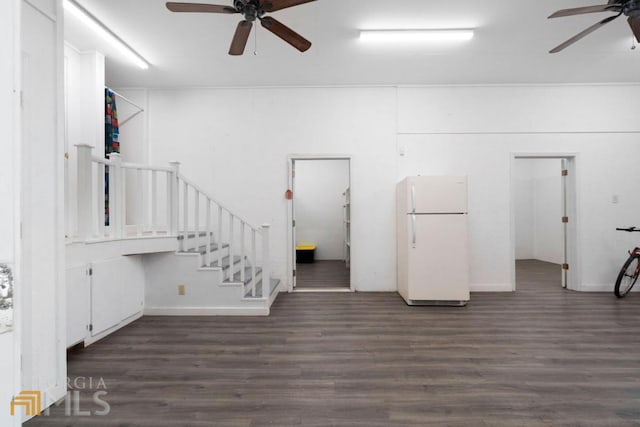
{"x": 292, "y": 185}
{"x": 565, "y": 225}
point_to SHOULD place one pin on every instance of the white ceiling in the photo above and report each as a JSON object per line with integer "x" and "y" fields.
{"x": 511, "y": 44}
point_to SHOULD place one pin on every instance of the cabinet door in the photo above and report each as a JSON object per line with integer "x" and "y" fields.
{"x": 78, "y": 287}
{"x": 117, "y": 292}
{"x": 106, "y": 295}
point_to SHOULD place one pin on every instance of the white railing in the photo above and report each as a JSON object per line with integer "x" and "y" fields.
{"x": 149, "y": 201}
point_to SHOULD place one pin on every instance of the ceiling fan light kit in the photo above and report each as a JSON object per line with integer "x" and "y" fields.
{"x": 421, "y": 35}
{"x": 629, "y": 8}
{"x": 252, "y": 10}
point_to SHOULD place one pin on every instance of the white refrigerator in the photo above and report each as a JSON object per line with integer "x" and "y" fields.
{"x": 433, "y": 259}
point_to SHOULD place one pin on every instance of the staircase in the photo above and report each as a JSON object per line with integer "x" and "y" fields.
{"x": 217, "y": 263}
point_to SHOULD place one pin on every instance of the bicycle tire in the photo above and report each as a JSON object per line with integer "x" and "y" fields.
{"x": 625, "y": 281}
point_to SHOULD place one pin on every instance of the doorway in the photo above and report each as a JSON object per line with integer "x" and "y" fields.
{"x": 543, "y": 222}
{"x": 320, "y": 211}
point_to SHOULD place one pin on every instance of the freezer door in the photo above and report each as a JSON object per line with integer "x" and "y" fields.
{"x": 436, "y": 194}
{"x": 438, "y": 264}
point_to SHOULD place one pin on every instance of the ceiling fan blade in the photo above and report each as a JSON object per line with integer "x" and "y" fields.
{"x": 240, "y": 38}
{"x": 286, "y": 33}
{"x": 615, "y": 7}
{"x": 273, "y": 5}
{"x": 635, "y": 26}
{"x": 582, "y": 34}
{"x": 199, "y": 7}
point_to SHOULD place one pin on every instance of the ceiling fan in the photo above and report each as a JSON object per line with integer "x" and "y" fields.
{"x": 252, "y": 10}
{"x": 630, "y": 8}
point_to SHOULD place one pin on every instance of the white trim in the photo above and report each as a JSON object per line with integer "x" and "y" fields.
{"x": 386, "y": 86}
{"x": 291, "y": 158}
{"x": 194, "y": 311}
{"x": 598, "y": 287}
{"x": 490, "y": 287}
{"x": 323, "y": 290}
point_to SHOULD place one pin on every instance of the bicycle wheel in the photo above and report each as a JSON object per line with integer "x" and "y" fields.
{"x": 628, "y": 276}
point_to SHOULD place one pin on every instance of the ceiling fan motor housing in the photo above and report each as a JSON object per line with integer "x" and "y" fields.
{"x": 628, "y": 7}
{"x": 632, "y": 8}
{"x": 250, "y": 9}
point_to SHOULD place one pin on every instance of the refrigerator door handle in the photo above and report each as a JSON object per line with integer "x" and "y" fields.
{"x": 413, "y": 198}
{"x": 413, "y": 229}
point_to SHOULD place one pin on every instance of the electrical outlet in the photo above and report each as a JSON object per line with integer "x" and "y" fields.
{"x": 181, "y": 290}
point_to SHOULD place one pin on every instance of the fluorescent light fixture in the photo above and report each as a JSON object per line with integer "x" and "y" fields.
{"x": 404, "y": 36}
{"x": 99, "y": 28}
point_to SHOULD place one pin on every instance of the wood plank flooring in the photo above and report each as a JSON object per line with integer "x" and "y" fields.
{"x": 322, "y": 275}
{"x": 540, "y": 356}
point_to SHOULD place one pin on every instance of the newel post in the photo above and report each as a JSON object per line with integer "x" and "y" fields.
{"x": 116, "y": 195}
{"x": 266, "y": 262}
{"x": 173, "y": 198}
{"x": 85, "y": 188}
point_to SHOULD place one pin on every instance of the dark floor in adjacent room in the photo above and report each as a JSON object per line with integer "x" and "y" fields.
{"x": 322, "y": 275}
{"x": 541, "y": 356}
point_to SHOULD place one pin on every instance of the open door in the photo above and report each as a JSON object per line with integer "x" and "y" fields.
{"x": 553, "y": 239}
{"x": 319, "y": 198}
{"x": 565, "y": 223}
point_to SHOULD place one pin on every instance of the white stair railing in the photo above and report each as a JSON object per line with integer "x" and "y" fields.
{"x": 241, "y": 237}
{"x": 163, "y": 202}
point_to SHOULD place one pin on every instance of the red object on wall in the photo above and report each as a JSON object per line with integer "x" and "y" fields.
{"x": 288, "y": 195}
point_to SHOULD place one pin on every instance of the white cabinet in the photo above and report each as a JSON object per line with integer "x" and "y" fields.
{"x": 117, "y": 292}
{"x": 78, "y": 291}
{"x": 103, "y": 296}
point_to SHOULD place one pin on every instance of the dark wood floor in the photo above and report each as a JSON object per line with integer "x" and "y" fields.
{"x": 539, "y": 357}
{"x": 322, "y": 275}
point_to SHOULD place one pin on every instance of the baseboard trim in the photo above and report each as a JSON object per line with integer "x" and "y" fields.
{"x": 491, "y": 287}
{"x": 597, "y": 287}
{"x": 196, "y": 311}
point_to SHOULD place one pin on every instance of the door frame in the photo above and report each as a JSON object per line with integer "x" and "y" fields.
{"x": 570, "y": 196}
{"x": 291, "y": 244}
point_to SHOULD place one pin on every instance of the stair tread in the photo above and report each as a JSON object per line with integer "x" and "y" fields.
{"x": 273, "y": 286}
{"x": 247, "y": 276}
{"x": 225, "y": 262}
{"x": 203, "y": 249}
{"x": 192, "y": 235}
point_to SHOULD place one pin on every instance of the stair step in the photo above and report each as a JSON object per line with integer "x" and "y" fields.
{"x": 273, "y": 286}
{"x": 247, "y": 276}
{"x": 193, "y": 235}
{"x": 225, "y": 262}
{"x": 203, "y": 249}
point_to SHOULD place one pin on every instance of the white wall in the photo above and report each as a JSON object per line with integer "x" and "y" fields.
{"x": 475, "y": 130}
{"x": 538, "y": 208}
{"x": 235, "y": 142}
{"x": 9, "y": 193}
{"x": 548, "y": 234}
{"x": 319, "y": 206}
{"x": 524, "y": 209}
